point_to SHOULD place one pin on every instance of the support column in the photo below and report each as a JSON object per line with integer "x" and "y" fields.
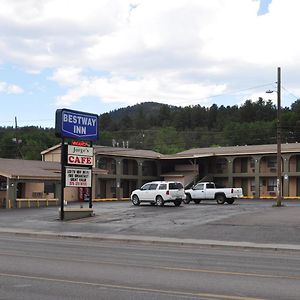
{"x": 119, "y": 172}
{"x": 11, "y": 193}
{"x": 230, "y": 171}
{"x": 256, "y": 175}
{"x": 57, "y": 191}
{"x": 140, "y": 172}
{"x": 285, "y": 168}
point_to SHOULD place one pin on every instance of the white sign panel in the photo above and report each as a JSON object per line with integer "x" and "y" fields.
{"x": 78, "y": 177}
{"x": 78, "y": 155}
{"x": 77, "y": 150}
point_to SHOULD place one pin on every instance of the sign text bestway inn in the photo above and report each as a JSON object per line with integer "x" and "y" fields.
{"x": 76, "y": 125}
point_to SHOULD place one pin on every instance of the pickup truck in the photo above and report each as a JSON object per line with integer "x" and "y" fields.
{"x": 208, "y": 191}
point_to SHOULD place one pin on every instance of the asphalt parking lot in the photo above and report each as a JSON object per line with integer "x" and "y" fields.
{"x": 253, "y": 221}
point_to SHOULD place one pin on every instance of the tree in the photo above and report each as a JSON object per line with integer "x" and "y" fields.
{"x": 168, "y": 141}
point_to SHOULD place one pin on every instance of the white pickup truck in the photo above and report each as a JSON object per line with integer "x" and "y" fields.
{"x": 208, "y": 191}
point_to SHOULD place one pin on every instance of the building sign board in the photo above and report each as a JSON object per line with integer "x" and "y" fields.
{"x": 75, "y": 150}
{"x": 80, "y": 155}
{"x": 78, "y": 177}
{"x": 77, "y": 157}
{"x": 80, "y": 160}
{"x": 76, "y": 125}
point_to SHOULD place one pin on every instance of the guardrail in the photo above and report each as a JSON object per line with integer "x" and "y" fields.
{"x": 37, "y": 202}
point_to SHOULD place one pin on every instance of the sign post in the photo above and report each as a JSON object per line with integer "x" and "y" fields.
{"x": 63, "y": 162}
{"x": 77, "y": 157}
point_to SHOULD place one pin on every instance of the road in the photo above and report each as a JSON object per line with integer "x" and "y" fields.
{"x": 55, "y": 268}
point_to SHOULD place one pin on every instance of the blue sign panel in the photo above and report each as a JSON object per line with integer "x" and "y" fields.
{"x": 77, "y": 125}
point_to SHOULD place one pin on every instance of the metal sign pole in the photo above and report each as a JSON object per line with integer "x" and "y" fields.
{"x": 91, "y": 188}
{"x": 63, "y": 175}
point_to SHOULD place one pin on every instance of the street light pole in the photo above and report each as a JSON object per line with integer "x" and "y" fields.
{"x": 278, "y": 198}
{"x": 278, "y": 137}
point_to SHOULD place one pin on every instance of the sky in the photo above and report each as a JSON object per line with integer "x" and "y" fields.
{"x": 99, "y": 55}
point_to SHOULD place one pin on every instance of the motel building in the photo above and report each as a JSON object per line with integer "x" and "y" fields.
{"x": 118, "y": 171}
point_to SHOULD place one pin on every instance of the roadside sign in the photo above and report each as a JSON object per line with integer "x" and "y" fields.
{"x": 80, "y": 160}
{"x": 76, "y": 125}
{"x": 80, "y": 155}
{"x": 78, "y": 177}
{"x": 83, "y": 129}
{"x": 75, "y": 150}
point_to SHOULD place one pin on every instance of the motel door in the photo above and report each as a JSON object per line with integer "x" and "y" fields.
{"x": 21, "y": 190}
{"x": 298, "y": 187}
{"x": 245, "y": 186}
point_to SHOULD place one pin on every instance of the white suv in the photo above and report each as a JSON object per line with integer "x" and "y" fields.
{"x": 159, "y": 192}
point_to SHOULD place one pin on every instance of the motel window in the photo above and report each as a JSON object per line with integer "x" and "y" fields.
{"x": 272, "y": 162}
{"x": 3, "y": 185}
{"x": 252, "y": 185}
{"x": 221, "y": 165}
{"x": 252, "y": 163}
{"x": 272, "y": 184}
{"x": 49, "y": 187}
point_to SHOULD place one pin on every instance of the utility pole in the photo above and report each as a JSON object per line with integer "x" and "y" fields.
{"x": 278, "y": 138}
{"x": 278, "y": 198}
{"x": 17, "y": 141}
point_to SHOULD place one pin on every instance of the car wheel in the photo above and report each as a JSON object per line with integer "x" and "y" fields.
{"x": 159, "y": 201}
{"x": 197, "y": 201}
{"x": 135, "y": 200}
{"x": 220, "y": 199}
{"x": 187, "y": 199}
{"x": 230, "y": 201}
{"x": 177, "y": 202}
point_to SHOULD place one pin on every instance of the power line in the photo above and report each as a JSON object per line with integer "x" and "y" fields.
{"x": 290, "y": 93}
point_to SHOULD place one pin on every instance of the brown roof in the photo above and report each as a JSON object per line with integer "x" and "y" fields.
{"x": 127, "y": 152}
{"x": 236, "y": 150}
{"x": 195, "y": 152}
{"x": 23, "y": 169}
{"x": 117, "y": 151}
{"x": 33, "y": 169}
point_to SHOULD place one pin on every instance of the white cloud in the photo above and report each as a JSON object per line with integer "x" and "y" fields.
{"x": 175, "y": 51}
{"x": 67, "y": 76}
{"x": 131, "y": 91}
{"x": 10, "y": 88}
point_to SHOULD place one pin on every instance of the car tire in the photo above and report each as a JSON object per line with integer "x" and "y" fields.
{"x": 159, "y": 201}
{"x": 197, "y": 201}
{"x": 177, "y": 202}
{"x": 135, "y": 200}
{"x": 187, "y": 199}
{"x": 220, "y": 199}
{"x": 230, "y": 201}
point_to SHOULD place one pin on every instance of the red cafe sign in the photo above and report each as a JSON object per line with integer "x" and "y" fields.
{"x": 80, "y": 160}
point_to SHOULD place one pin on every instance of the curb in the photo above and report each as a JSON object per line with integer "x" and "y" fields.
{"x": 154, "y": 240}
